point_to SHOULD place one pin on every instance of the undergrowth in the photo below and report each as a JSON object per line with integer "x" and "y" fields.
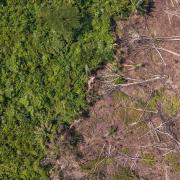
{"x": 173, "y": 160}
{"x": 125, "y": 174}
{"x": 149, "y": 159}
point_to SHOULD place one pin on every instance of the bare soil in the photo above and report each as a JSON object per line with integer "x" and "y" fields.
{"x": 132, "y": 131}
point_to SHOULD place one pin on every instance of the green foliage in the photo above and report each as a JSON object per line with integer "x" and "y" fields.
{"x": 148, "y": 159}
{"x": 63, "y": 19}
{"x": 141, "y": 6}
{"x": 125, "y": 174}
{"x": 125, "y": 150}
{"x": 173, "y": 160}
{"x": 113, "y": 130}
{"x": 171, "y": 104}
{"x": 44, "y": 49}
{"x": 119, "y": 95}
{"x": 94, "y": 167}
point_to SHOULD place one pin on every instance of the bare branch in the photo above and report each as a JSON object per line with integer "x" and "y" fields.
{"x": 157, "y": 50}
{"x": 141, "y": 82}
{"x": 169, "y": 51}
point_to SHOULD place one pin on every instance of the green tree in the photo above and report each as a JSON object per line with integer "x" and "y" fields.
{"x": 64, "y": 19}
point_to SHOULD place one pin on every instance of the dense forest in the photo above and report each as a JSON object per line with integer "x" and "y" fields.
{"x": 47, "y": 50}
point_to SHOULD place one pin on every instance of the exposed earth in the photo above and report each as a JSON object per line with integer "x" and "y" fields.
{"x": 132, "y": 130}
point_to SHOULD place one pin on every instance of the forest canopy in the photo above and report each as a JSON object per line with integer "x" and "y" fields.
{"x": 45, "y": 50}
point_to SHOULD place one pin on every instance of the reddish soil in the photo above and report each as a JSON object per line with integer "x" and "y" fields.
{"x": 136, "y": 127}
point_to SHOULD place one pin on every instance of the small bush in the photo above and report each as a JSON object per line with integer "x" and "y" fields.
{"x": 173, "y": 160}
{"x": 125, "y": 174}
{"x": 148, "y": 159}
